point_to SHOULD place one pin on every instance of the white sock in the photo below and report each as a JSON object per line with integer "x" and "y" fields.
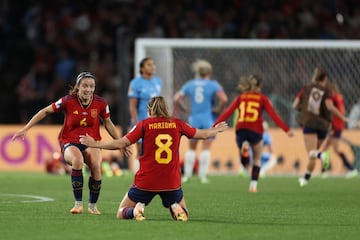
{"x": 204, "y": 163}
{"x": 190, "y": 157}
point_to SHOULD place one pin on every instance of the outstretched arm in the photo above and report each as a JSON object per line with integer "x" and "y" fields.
{"x": 211, "y": 132}
{"x": 34, "y": 120}
{"x": 116, "y": 144}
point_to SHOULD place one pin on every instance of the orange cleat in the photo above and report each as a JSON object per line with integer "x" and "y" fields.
{"x": 178, "y": 212}
{"x": 77, "y": 209}
{"x": 139, "y": 212}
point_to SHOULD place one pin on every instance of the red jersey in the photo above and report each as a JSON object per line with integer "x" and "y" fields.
{"x": 159, "y": 165}
{"x": 80, "y": 120}
{"x": 250, "y": 106}
{"x": 338, "y": 123}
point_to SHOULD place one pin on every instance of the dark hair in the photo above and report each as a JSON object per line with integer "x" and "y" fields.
{"x": 84, "y": 75}
{"x": 319, "y": 74}
{"x": 142, "y": 63}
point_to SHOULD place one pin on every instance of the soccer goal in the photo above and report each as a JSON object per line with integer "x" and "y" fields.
{"x": 284, "y": 65}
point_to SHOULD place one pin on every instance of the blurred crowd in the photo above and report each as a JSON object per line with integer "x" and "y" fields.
{"x": 43, "y": 44}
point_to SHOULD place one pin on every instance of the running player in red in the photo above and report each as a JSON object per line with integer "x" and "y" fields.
{"x": 249, "y": 126}
{"x": 159, "y": 172}
{"x": 83, "y": 110}
{"x": 337, "y": 127}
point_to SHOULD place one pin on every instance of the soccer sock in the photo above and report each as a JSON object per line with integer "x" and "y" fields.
{"x": 255, "y": 173}
{"x": 204, "y": 161}
{"x": 94, "y": 189}
{"x": 307, "y": 176}
{"x": 245, "y": 160}
{"x": 345, "y": 161}
{"x": 127, "y": 213}
{"x": 190, "y": 156}
{"x": 77, "y": 182}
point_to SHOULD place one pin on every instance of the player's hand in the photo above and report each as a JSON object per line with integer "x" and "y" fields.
{"x": 87, "y": 140}
{"x": 20, "y": 134}
{"x": 221, "y": 126}
{"x": 126, "y": 151}
{"x": 290, "y": 133}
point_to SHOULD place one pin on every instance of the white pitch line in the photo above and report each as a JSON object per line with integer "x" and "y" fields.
{"x": 37, "y": 198}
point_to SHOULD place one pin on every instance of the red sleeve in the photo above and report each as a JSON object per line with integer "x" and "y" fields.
{"x": 274, "y": 116}
{"x": 228, "y": 111}
{"x": 186, "y": 129}
{"x": 300, "y": 93}
{"x": 135, "y": 133}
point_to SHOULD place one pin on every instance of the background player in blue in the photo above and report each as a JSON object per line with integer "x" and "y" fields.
{"x": 201, "y": 91}
{"x": 141, "y": 89}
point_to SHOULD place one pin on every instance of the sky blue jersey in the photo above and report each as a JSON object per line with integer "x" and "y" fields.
{"x": 201, "y": 93}
{"x": 144, "y": 89}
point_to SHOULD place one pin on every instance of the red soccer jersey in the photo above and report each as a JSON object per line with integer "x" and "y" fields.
{"x": 79, "y": 120}
{"x": 250, "y": 106}
{"x": 159, "y": 165}
{"x": 338, "y": 123}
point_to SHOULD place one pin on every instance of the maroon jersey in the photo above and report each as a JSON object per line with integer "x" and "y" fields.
{"x": 250, "y": 106}
{"x": 159, "y": 165}
{"x": 312, "y": 107}
{"x": 80, "y": 120}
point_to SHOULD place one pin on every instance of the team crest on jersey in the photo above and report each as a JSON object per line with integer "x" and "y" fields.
{"x": 76, "y": 112}
{"x": 93, "y": 113}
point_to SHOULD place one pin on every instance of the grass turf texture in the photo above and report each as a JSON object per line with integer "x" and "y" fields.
{"x": 325, "y": 209}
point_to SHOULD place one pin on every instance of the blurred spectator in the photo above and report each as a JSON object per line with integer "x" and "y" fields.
{"x": 72, "y": 36}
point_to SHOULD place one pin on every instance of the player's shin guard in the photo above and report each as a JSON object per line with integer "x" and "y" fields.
{"x": 77, "y": 181}
{"x": 204, "y": 161}
{"x": 190, "y": 157}
{"x": 94, "y": 189}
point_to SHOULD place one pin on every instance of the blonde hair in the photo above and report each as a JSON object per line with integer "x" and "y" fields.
{"x": 249, "y": 84}
{"x": 158, "y": 107}
{"x": 202, "y": 68}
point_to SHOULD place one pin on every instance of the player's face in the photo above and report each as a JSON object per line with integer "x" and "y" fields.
{"x": 149, "y": 67}
{"x": 86, "y": 88}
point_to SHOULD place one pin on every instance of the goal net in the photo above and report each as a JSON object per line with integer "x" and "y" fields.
{"x": 284, "y": 65}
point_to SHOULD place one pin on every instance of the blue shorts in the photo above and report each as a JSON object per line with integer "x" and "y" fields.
{"x": 321, "y": 134}
{"x": 167, "y": 197}
{"x": 243, "y": 135}
{"x": 80, "y": 146}
{"x": 336, "y": 133}
{"x": 201, "y": 122}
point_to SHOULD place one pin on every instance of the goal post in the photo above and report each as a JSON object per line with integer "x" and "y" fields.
{"x": 284, "y": 65}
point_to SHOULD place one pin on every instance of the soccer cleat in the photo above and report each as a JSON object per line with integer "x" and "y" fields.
{"x": 77, "y": 209}
{"x": 94, "y": 210}
{"x": 352, "y": 173}
{"x": 139, "y": 211}
{"x": 253, "y": 189}
{"x": 184, "y": 179}
{"x": 204, "y": 180}
{"x": 245, "y": 149}
{"x": 325, "y": 158}
{"x": 178, "y": 212}
{"x": 303, "y": 182}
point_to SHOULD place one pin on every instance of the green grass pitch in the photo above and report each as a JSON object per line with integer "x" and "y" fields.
{"x": 325, "y": 209}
